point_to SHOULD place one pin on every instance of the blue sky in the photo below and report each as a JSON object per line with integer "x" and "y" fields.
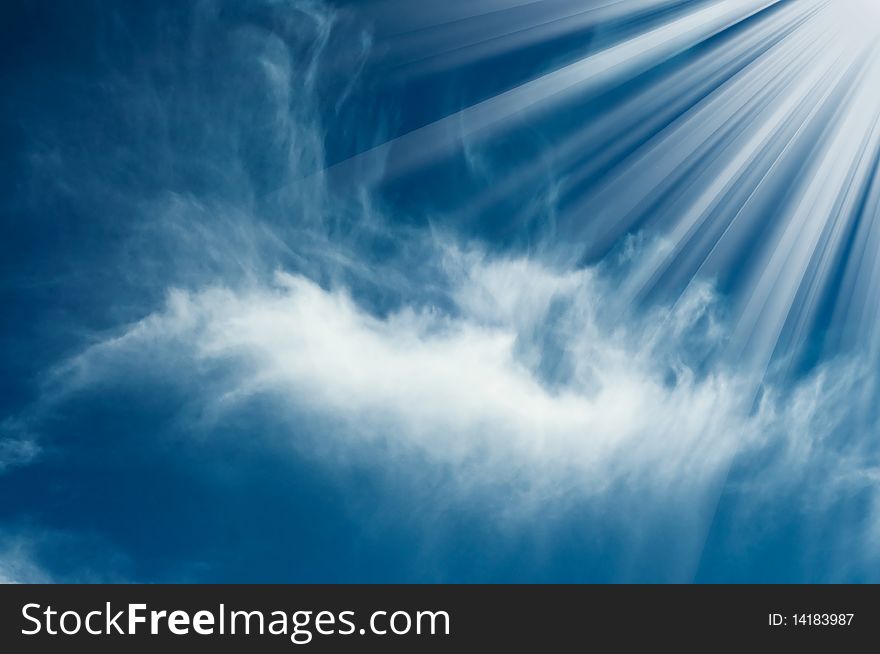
{"x": 480, "y": 291}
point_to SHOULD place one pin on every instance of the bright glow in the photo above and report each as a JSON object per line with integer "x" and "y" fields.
{"x": 871, "y": 7}
{"x": 863, "y": 17}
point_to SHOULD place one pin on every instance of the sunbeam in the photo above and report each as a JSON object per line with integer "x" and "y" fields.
{"x": 597, "y": 279}
{"x": 719, "y": 158}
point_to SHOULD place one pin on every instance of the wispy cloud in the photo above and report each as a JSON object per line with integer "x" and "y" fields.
{"x": 17, "y": 565}
{"x": 17, "y": 445}
{"x": 521, "y": 379}
{"x": 531, "y": 379}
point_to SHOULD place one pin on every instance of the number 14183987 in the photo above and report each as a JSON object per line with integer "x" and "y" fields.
{"x": 810, "y": 619}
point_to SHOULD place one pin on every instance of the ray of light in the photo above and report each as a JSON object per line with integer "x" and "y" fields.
{"x": 753, "y": 159}
{"x": 619, "y": 61}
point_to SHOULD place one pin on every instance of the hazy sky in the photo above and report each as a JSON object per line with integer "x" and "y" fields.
{"x": 398, "y": 291}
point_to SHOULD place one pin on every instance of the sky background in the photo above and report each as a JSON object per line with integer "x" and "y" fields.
{"x": 472, "y": 291}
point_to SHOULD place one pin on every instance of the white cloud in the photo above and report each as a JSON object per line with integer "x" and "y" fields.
{"x": 17, "y": 565}
{"x": 522, "y": 387}
{"x": 474, "y": 386}
{"x": 17, "y": 446}
{"x": 543, "y": 382}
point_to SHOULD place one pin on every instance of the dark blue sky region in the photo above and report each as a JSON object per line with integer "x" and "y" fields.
{"x": 390, "y": 291}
